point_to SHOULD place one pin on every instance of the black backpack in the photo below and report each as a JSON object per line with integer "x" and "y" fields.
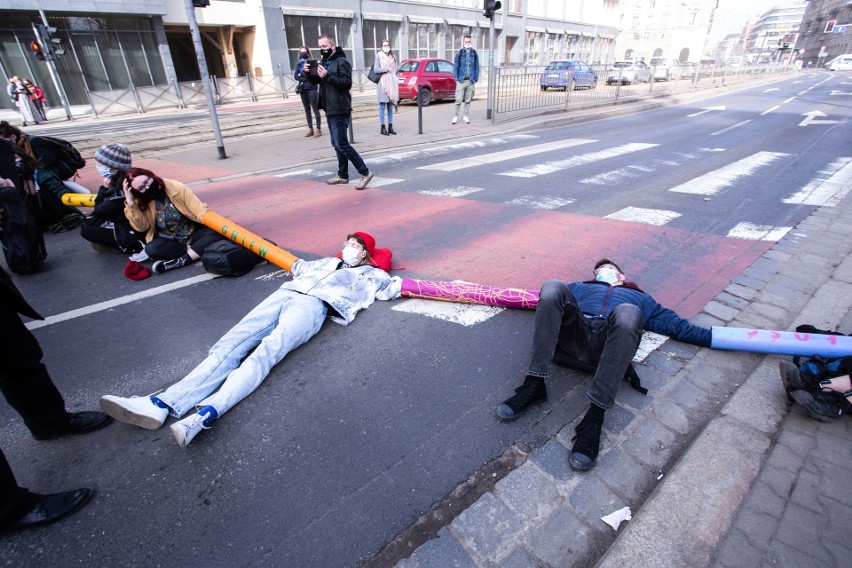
{"x": 23, "y": 242}
{"x": 817, "y": 368}
{"x": 66, "y": 158}
{"x": 229, "y": 259}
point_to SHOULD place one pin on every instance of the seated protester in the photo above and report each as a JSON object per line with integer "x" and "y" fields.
{"x": 169, "y": 215}
{"x": 239, "y": 362}
{"x": 107, "y": 227}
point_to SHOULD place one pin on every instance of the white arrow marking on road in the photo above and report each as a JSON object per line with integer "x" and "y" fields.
{"x": 705, "y": 110}
{"x": 714, "y": 181}
{"x": 811, "y": 118}
{"x": 464, "y": 314}
{"x": 486, "y": 159}
{"x": 839, "y": 93}
{"x": 828, "y": 187}
{"x": 553, "y": 167}
{"x": 770, "y": 90}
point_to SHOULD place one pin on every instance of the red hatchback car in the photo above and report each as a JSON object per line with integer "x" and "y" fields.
{"x": 432, "y": 77}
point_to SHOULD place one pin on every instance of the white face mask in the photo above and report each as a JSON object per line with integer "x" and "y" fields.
{"x": 103, "y": 170}
{"x": 351, "y": 255}
{"x": 386, "y": 49}
{"x": 468, "y": 45}
{"x": 608, "y": 275}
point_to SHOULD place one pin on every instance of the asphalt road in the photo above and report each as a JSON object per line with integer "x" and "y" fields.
{"x": 362, "y": 429}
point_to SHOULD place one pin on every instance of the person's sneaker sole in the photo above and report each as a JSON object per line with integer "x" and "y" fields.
{"x": 363, "y": 183}
{"x": 337, "y": 181}
{"x": 577, "y": 466}
{"x": 113, "y": 406}
{"x": 509, "y": 416}
{"x": 804, "y": 400}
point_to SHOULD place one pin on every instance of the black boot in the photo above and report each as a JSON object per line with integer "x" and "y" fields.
{"x": 390, "y": 129}
{"x": 384, "y": 130}
{"x": 531, "y": 392}
{"x": 587, "y": 441}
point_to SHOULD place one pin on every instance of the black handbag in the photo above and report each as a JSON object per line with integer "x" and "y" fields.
{"x": 299, "y": 88}
{"x": 374, "y": 75}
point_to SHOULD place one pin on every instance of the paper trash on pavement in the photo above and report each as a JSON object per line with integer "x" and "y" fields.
{"x": 614, "y": 519}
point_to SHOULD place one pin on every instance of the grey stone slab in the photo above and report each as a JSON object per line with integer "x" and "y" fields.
{"x": 832, "y": 443}
{"x": 731, "y": 301}
{"x": 769, "y": 311}
{"x": 680, "y": 350}
{"x": 761, "y": 401}
{"x": 737, "y": 551}
{"x": 741, "y": 291}
{"x": 487, "y": 526}
{"x": 759, "y": 528}
{"x": 798, "y": 443}
{"x": 592, "y": 499}
{"x": 803, "y": 282}
{"x": 781, "y": 480}
{"x": 625, "y": 475}
{"x": 662, "y": 361}
{"x": 749, "y": 282}
{"x": 672, "y": 416}
{"x": 633, "y": 399}
{"x": 443, "y": 552}
{"x": 618, "y": 418}
{"x": 763, "y": 498}
{"x": 705, "y": 320}
{"x": 651, "y": 443}
{"x": 529, "y": 492}
{"x": 653, "y": 378}
{"x": 410, "y": 562}
{"x": 721, "y": 311}
{"x": 564, "y": 540}
{"x": 800, "y": 529}
{"x": 783, "y": 457}
{"x": 687, "y": 395}
{"x": 552, "y": 458}
{"x": 782, "y": 257}
{"x": 830, "y": 482}
{"x": 765, "y": 264}
{"x": 793, "y": 304}
{"x": 520, "y": 558}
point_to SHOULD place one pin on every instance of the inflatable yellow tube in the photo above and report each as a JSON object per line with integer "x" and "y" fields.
{"x": 79, "y": 199}
{"x": 260, "y": 246}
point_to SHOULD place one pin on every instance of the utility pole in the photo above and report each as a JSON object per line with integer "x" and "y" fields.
{"x": 490, "y": 6}
{"x": 202, "y": 68}
{"x": 51, "y": 52}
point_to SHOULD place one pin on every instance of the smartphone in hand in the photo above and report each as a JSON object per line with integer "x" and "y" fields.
{"x": 312, "y": 66}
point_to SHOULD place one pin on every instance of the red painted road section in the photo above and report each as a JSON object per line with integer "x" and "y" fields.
{"x": 486, "y": 243}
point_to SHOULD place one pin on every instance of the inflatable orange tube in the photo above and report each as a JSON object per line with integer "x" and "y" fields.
{"x": 260, "y": 246}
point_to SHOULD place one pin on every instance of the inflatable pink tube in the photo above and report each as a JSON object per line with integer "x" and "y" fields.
{"x": 469, "y": 293}
{"x": 780, "y": 342}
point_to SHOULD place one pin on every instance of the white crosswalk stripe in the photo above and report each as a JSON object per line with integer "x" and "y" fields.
{"x": 540, "y": 201}
{"x": 486, "y": 159}
{"x": 646, "y": 216}
{"x": 830, "y": 185}
{"x": 432, "y": 152}
{"x": 752, "y": 232}
{"x": 559, "y": 165}
{"x": 634, "y": 171}
{"x": 715, "y": 181}
{"x": 459, "y": 191}
{"x": 464, "y": 314}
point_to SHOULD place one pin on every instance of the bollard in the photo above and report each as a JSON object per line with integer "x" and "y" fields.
{"x": 419, "y": 111}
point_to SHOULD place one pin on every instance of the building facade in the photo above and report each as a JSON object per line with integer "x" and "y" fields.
{"x": 773, "y": 36}
{"x": 825, "y": 32}
{"x": 121, "y": 44}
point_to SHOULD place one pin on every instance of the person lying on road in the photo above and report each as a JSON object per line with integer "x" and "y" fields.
{"x": 283, "y": 321}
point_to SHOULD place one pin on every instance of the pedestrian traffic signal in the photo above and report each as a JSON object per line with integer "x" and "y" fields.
{"x": 491, "y": 6}
{"x": 36, "y": 47}
{"x": 53, "y": 44}
{"x": 200, "y": 3}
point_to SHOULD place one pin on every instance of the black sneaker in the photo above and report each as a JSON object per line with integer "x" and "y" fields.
{"x": 164, "y": 265}
{"x": 587, "y": 441}
{"x": 531, "y": 392}
{"x": 793, "y": 380}
{"x": 823, "y": 406}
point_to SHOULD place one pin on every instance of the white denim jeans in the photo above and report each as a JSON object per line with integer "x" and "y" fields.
{"x": 279, "y": 324}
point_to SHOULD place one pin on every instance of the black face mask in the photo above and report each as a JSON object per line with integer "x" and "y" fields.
{"x": 155, "y": 191}
{"x": 303, "y": 54}
{"x": 326, "y": 53}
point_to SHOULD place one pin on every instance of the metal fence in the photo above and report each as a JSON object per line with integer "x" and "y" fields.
{"x": 519, "y": 91}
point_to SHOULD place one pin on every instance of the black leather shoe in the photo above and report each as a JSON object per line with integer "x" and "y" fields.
{"x": 50, "y": 508}
{"x": 78, "y": 423}
{"x": 531, "y": 392}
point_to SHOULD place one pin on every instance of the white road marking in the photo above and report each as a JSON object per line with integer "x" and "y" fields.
{"x": 699, "y": 113}
{"x": 828, "y": 187}
{"x": 637, "y": 170}
{"x": 650, "y": 341}
{"x": 306, "y": 172}
{"x": 540, "y": 202}
{"x": 464, "y": 314}
{"x": 412, "y": 155}
{"x": 737, "y": 125}
{"x": 109, "y": 304}
{"x": 558, "y": 165}
{"x": 274, "y": 275}
{"x": 493, "y": 157}
{"x": 379, "y": 181}
{"x": 790, "y": 99}
{"x": 713, "y": 182}
{"x": 646, "y": 216}
{"x": 752, "y": 232}
{"x": 767, "y": 111}
{"x": 459, "y": 191}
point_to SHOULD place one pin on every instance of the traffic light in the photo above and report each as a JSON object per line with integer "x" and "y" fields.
{"x": 200, "y": 3}
{"x": 36, "y": 47}
{"x": 491, "y": 6}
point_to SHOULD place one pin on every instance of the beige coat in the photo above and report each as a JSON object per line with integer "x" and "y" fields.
{"x": 181, "y": 196}
{"x": 387, "y": 89}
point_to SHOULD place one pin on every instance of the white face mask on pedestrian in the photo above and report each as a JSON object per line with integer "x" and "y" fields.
{"x": 103, "y": 170}
{"x": 608, "y": 275}
{"x": 351, "y": 255}
{"x": 468, "y": 45}
{"x": 386, "y": 49}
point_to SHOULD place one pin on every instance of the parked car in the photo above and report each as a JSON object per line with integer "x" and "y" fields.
{"x": 688, "y": 69}
{"x": 568, "y": 74}
{"x": 841, "y": 63}
{"x": 432, "y": 78}
{"x": 665, "y": 68}
{"x": 627, "y": 72}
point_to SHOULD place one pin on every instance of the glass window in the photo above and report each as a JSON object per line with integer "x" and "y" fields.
{"x": 454, "y": 40}
{"x": 375, "y": 32}
{"x": 422, "y": 41}
{"x": 445, "y": 67}
{"x": 305, "y": 30}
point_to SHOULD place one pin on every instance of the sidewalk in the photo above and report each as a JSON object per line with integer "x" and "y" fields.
{"x": 715, "y": 467}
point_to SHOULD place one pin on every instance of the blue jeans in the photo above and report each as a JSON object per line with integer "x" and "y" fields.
{"x": 382, "y": 107}
{"x": 279, "y": 324}
{"x": 338, "y": 129}
{"x": 607, "y": 344}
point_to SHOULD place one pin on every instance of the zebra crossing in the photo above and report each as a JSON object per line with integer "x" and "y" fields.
{"x": 826, "y": 188}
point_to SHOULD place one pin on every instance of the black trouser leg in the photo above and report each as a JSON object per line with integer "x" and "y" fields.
{"x": 15, "y": 501}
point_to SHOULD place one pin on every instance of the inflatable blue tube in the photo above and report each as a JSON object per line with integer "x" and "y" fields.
{"x": 780, "y": 342}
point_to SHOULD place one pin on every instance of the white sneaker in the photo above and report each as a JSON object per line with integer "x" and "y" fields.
{"x": 138, "y": 410}
{"x": 188, "y": 428}
{"x": 466, "y": 120}
{"x": 455, "y": 119}
{"x": 140, "y": 256}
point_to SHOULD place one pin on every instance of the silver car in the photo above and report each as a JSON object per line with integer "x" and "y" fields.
{"x": 627, "y": 72}
{"x": 665, "y": 68}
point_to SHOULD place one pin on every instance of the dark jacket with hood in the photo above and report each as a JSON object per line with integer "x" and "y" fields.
{"x": 334, "y": 96}
{"x": 597, "y": 300}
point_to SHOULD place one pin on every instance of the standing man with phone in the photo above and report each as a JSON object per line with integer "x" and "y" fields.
{"x": 466, "y": 72}
{"x": 333, "y": 74}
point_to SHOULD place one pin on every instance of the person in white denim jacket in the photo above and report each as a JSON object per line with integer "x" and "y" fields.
{"x": 286, "y": 319}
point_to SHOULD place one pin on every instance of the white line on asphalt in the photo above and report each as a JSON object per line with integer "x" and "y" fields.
{"x": 464, "y": 314}
{"x": 714, "y": 181}
{"x": 109, "y": 304}
{"x": 459, "y": 191}
{"x": 381, "y": 181}
{"x": 411, "y": 155}
{"x": 540, "y": 202}
{"x": 615, "y": 176}
{"x": 650, "y": 341}
{"x": 485, "y": 159}
{"x": 646, "y": 216}
{"x": 752, "y": 232}
{"x": 297, "y": 173}
{"x": 555, "y": 166}
{"x": 790, "y": 99}
{"x": 830, "y": 185}
{"x": 776, "y": 107}
{"x": 737, "y": 125}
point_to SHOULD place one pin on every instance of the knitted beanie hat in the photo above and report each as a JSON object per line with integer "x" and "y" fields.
{"x": 135, "y": 271}
{"x": 114, "y": 155}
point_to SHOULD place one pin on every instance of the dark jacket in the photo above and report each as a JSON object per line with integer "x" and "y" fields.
{"x": 302, "y": 77}
{"x": 597, "y": 299}
{"x": 334, "y": 96}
